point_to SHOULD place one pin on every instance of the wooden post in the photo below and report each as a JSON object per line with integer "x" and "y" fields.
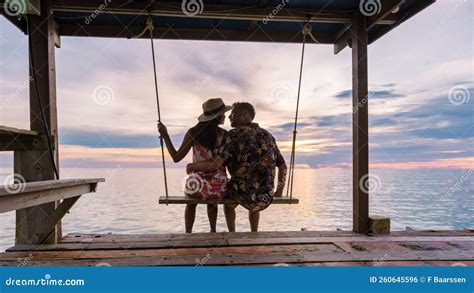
{"x": 360, "y": 133}
{"x": 37, "y": 165}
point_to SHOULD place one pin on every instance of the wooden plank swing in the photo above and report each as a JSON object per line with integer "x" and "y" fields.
{"x": 189, "y": 200}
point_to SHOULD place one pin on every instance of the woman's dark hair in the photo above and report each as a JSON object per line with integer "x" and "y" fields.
{"x": 205, "y": 133}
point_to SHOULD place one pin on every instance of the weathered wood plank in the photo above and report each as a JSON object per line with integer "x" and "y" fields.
{"x": 49, "y": 184}
{"x": 47, "y": 227}
{"x": 273, "y": 234}
{"x": 311, "y": 240}
{"x": 419, "y": 6}
{"x": 433, "y": 233}
{"x": 125, "y": 245}
{"x": 125, "y": 238}
{"x": 14, "y": 139}
{"x": 198, "y": 34}
{"x": 342, "y": 39}
{"x": 388, "y": 263}
{"x": 21, "y": 200}
{"x": 218, "y": 256}
{"x": 9, "y": 131}
{"x": 229, "y": 241}
{"x": 197, "y": 252}
{"x": 387, "y": 7}
{"x": 190, "y": 200}
{"x": 98, "y": 238}
{"x": 74, "y": 237}
{"x": 242, "y": 249}
{"x": 213, "y": 11}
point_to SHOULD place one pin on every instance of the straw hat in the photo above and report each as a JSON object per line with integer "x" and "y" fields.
{"x": 212, "y": 109}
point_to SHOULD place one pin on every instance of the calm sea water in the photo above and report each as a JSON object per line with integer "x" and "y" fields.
{"x": 128, "y": 202}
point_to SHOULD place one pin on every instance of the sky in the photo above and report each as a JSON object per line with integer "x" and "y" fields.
{"x": 421, "y": 83}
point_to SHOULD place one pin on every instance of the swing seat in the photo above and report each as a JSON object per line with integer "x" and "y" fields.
{"x": 189, "y": 200}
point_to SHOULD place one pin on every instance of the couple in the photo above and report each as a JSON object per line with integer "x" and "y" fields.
{"x": 249, "y": 152}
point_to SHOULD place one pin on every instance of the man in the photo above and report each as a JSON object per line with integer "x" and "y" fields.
{"x": 251, "y": 156}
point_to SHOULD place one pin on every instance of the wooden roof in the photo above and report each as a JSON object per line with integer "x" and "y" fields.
{"x": 228, "y": 20}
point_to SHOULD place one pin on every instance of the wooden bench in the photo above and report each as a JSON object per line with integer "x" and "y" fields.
{"x": 14, "y": 139}
{"x": 189, "y": 200}
{"x": 31, "y": 194}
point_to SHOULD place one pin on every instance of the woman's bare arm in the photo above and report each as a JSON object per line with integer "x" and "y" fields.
{"x": 183, "y": 150}
{"x": 205, "y": 166}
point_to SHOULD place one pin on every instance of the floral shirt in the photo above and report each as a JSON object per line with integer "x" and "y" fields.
{"x": 251, "y": 155}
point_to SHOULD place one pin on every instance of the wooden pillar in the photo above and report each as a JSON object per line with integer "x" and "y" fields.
{"x": 37, "y": 165}
{"x": 360, "y": 129}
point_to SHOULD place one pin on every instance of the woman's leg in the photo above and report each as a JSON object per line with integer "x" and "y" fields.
{"x": 212, "y": 215}
{"x": 229, "y": 213}
{"x": 189, "y": 216}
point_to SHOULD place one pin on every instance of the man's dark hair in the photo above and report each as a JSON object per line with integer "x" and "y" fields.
{"x": 245, "y": 107}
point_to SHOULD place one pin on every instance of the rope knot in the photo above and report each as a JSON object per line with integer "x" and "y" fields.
{"x": 149, "y": 23}
{"x": 307, "y": 29}
{"x": 148, "y": 27}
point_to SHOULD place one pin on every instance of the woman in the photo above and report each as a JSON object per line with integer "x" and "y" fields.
{"x": 205, "y": 139}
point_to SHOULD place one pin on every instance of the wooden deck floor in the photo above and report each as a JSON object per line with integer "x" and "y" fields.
{"x": 338, "y": 248}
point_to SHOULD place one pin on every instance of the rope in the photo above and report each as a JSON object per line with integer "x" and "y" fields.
{"x": 150, "y": 27}
{"x": 306, "y": 32}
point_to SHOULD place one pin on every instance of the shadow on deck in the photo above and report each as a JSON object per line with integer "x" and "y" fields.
{"x": 337, "y": 248}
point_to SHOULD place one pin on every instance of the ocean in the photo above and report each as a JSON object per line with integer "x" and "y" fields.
{"x": 128, "y": 202}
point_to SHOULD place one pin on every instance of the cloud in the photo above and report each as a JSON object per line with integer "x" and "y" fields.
{"x": 344, "y": 94}
{"x": 81, "y": 156}
{"x": 289, "y": 126}
{"x": 375, "y": 92}
{"x": 382, "y": 122}
{"x": 344, "y": 119}
{"x": 106, "y": 139}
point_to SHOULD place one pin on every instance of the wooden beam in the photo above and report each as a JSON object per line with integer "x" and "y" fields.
{"x": 40, "y": 186}
{"x": 171, "y": 33}
{"x": 189, "y": 200}
{"x": 253, "y": 23}
{"x": 387, "y": 6}
{"x": 360, "y": 138}
{"x": 14, "y": 139}
{"x": 5, "y": 130}
{"x": 47, "y": 227}
{"x": 210, "y": 11}
{"x": 32, "y": 194}
{"x": 37, "y": 165}
{"x": 19, "y": 23}
{"x": 57, "y": 36}
{"x": 262, "y": 3}
{"x": 419, "y": 6}
{"x": 343, "y": 38}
